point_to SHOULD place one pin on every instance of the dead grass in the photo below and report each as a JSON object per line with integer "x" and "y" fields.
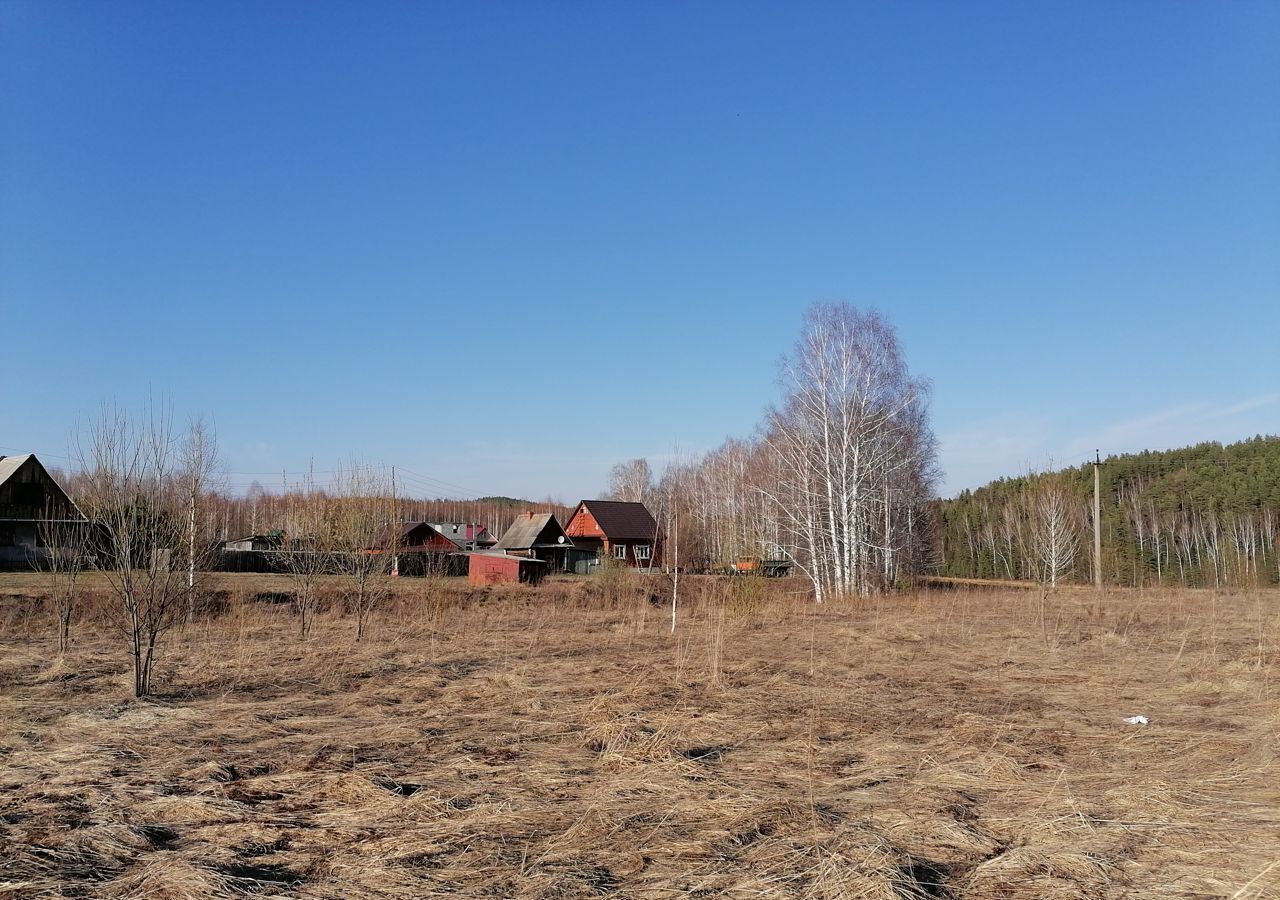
{"x": 561, "y": 743}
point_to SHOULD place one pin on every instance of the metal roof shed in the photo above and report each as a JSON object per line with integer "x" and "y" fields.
{"x": 497, "y": 568}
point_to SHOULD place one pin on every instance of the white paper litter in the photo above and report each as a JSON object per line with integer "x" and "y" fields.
{"x": 1137, "y": 720}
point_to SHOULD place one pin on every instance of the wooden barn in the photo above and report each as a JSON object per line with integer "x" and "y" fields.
{"x": 617, "y": 529}
{"x": 498, "y": 568}
{"x": 539, "y": 536}
{"x": 29, "y": 495}
{"x": 255, "y": 542}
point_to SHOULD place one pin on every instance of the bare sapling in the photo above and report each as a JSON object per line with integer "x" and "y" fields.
{"x": 305, "y": 553}
{"x": 134, "y": 503}
{"x": 671, "y": 495}
{"x": 675, "y": 566}
{"x": 64, "y": 560}
{"x": 366, "y": 528}
{"x": 1056, "y": 537}
{"x": 199, "y": 463}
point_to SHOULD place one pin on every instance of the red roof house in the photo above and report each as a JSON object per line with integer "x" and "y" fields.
{"x": 617, "y": 529}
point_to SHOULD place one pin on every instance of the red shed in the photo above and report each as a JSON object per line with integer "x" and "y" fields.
{"x": 496, "y": 568}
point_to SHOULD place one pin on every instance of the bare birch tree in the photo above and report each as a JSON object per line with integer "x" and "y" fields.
{"x": 631, "y": 480}
{"x": 671, "y": 496}
{"x": 852, "y": 449}
{"x": 1056, "y": 535}
{"x": 199, "y": 462}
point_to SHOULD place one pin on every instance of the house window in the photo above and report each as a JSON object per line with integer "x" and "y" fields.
{"x": 619, "y": 551}
{"x": 642, "y": 551}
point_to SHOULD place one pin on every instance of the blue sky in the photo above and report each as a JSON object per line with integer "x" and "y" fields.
{"x": 505, "y": 245}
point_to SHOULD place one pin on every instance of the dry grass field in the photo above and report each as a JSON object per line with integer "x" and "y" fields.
{"x": 560, "y": 742}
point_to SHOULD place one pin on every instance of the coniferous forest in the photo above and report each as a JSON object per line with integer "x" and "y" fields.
{"x": 1207, "y": 515}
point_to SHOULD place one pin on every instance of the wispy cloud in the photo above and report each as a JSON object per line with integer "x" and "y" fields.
{"x": 1008, "y": 444}
{"x": 1001, "y": 445}
{"x": 1137, "y": 433}
{"x": 1179, "y": 426}
{"x": 1251, "y": 404}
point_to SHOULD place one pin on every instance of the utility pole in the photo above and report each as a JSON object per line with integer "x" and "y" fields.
{"x": 1097, "y": 521}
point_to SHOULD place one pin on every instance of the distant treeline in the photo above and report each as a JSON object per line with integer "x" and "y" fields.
{"x": 1206, "y": 515}
{"x": 225, "y": 515}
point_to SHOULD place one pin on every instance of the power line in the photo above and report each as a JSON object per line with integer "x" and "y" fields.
{"x": 37, "y": 452}
{"x": 425, "y": 483}
{"x": 442, "y": 482}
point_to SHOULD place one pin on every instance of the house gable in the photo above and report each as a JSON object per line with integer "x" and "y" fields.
{"x": 28, "y": 492}
{"x": 582, "y": 524}
{"x": 613, "y": 520}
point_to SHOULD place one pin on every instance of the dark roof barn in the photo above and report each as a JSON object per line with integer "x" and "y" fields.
{"x": 29, "y": 492}
{"x": 532, "y": 530}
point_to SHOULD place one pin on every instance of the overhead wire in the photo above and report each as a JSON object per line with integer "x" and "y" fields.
{"x": 427, "y": 484}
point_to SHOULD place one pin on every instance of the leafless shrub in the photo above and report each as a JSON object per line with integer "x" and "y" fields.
{"x": 306, "y": 551}
{"x": 64, "y": 559}
{"x": 615, "y": 583}
{"x": 366, "y": 533}
{"x": 746, "y": 596}
{"x": 132, "y": 496}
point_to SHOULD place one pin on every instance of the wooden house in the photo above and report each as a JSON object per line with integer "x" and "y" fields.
{"x": 29, "y": 495}
{"x": 539, "y": 536}
{"x": 618, "y": 530}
